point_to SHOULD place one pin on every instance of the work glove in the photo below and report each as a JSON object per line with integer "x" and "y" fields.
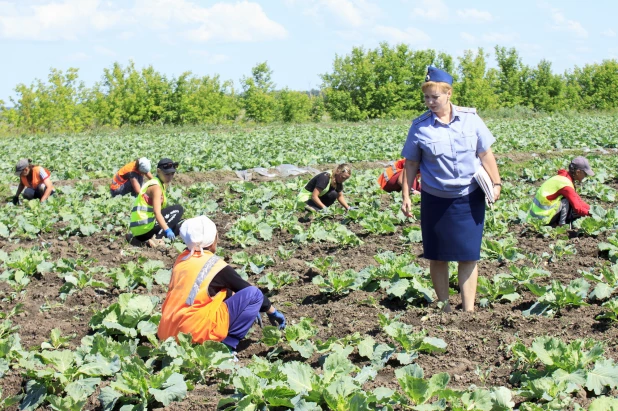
{"x": 352, "y": 208}
{"x": 16, "y": 200}
{"x": 170, "y": 234}
{"x": 277, "y": 319}
{"x": 258, "y": 321}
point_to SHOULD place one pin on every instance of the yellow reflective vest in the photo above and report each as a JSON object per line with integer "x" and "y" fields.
{"x": 543, "y": 209}
{"x": 142, "y": 215}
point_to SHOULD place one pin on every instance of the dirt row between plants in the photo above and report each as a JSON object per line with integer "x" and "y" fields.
{"x": 225, "y": 176}
{"x": 474, "y": 340}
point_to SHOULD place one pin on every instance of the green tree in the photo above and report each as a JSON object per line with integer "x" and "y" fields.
{"x": 595, "y": 85}
{"x": 512, "y": 75}
{"x": 475, "y": 87}
{"x": 545, "y": 90}
{"x": 59, "y": 105}
{"x": 294, "y": 106}
{"x": 258, "y": 98}
{"x": 202, "y": 100}
{"x": 384, "y": 82}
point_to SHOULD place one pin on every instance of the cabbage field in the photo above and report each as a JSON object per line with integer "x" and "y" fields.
{"x": 79, "y": 306}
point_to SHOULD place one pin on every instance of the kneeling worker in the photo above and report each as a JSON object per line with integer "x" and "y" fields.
{"x": 130, "y": 177}
{"x": 206, "y": 297}
{"x": 34, "y": 181}
{"x": 392, "y": 177}
{"x": 324, "y": 188}
{"x": 556, "y": 202}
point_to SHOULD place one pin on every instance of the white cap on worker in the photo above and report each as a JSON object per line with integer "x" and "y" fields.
{"x": 198, "y": 233}
{"x": 143, "y": 164}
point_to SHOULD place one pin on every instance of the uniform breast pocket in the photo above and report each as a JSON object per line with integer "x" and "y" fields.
{"x": 470, "y": 141}
{"x": 440, "y": 147}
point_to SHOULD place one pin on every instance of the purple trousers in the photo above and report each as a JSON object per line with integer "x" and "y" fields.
{"x": 243, "y": 307}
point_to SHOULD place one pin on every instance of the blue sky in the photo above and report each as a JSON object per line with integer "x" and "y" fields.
{"x": 298, "y": 38}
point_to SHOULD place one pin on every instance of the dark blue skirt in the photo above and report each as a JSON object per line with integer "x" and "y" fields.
{"x": 452, "y": 228}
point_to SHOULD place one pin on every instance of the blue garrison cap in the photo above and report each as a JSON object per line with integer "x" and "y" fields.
{"x": 441, "y": 76}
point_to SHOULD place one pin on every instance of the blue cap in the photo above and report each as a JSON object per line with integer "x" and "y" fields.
{"x": 437, "y": 75}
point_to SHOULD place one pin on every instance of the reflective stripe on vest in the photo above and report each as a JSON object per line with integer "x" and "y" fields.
{"x": 119, "y": 180}
{"x": 204, "y": 273}
{"x": 197, "y": 313}
{"x": 544, "y": 209}
{"x": 142, "y": 214}
{"x": 386, "y": 175}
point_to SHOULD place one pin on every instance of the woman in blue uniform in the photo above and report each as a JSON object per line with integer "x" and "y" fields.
{"x": 449, "y": 144}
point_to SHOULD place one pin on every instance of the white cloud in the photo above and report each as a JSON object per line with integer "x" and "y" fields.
{"x": 409, "y": 35}
{"x": 609, "y": 33}
{"x": 561, "y": 23}
{"x": 241, "y": 21}
{"x": 210, "y": 58}
{"x": 474, "y": 15}
{"x": 80, "y": 56}
{"x": 350, "y": 13}
{"x": 467, "y": 37}
{"x": 435, "y": 10}
{"x": 56, "y": 20}
{"x": 352, "y": 35}
{"x": 500, "y": 38}
{"x": 126, "y": 35}
{"x": 104, "y": 51}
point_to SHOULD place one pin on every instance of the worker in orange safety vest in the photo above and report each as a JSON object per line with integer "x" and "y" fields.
{"x": 206, "y": 297}
{"x": 392, "y": 177}
{"x": 130, "y": 177}
{"x": 34, "y": 181}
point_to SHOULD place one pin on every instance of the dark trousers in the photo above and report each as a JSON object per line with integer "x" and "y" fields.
{"x": 565, "y": 214}
{"x": 127, "y": 188}
{"x": 173, "y": 218}
{"x": 31, "y": 194}
{"x": 243, "y": 307}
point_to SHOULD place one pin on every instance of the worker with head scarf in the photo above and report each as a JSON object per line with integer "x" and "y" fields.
{"x": 207, "y": 298}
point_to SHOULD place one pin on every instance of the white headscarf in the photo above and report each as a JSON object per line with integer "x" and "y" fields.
{"x": 198, "y": 233}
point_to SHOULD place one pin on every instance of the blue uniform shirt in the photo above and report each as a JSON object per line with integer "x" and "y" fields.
{"x": 448, "y": 153}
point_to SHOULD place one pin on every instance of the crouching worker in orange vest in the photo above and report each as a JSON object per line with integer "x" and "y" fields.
{"x": 206, "y": 297}
{"x": 392, "y": 177}
{"x": 34, "y": 181}
{"x": 130, "y": 177}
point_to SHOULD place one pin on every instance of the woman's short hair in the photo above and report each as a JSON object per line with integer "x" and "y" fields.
{"x": 431, "y": 85}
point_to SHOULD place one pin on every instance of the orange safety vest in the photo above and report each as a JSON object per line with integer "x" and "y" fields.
{"x": 119, "y": 179}
{"x": 390, "y": 171}
{"x": 188, "y": 308}
{"x": 36, "y": 178}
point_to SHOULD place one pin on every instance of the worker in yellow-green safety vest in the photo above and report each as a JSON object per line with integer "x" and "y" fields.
{"x": 556, "y": 202}
{"x": 324, "y": 188}
{"x": 151, "y": 218}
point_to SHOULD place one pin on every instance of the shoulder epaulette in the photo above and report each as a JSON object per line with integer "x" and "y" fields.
{"x": 422, "y": 117}
{"x": 470, "y": 110}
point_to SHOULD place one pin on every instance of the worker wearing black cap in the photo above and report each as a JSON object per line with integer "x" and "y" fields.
{"x": 151, "y": 218}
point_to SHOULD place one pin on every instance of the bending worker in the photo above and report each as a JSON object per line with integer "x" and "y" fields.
{"x": 130, "y": 177}
{"x": 449, "y": 144}
{"x": 207, "y": 298}
{"x": 392, "y": 177}
{"x": 324, "y": 188}
{"x": 556, "y": 202}
{"x": 34, "y": 181}
{"x": 150, "y": 216}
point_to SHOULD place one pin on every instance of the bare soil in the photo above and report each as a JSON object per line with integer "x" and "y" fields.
{"x": 480, "y": 339}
